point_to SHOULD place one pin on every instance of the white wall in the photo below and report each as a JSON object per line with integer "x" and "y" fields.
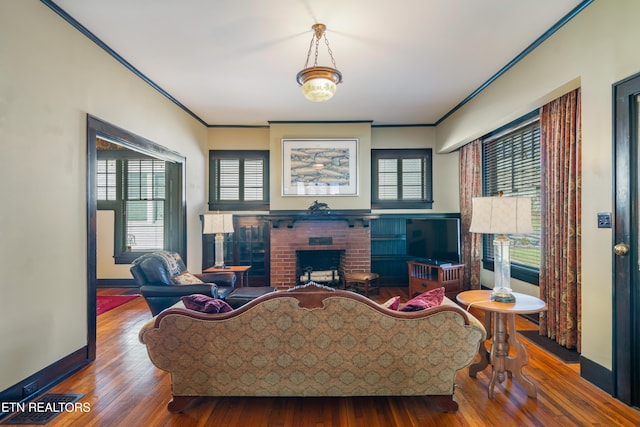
{"x": 446, "y": 179}
{"x": 445, "y": 165}
{"x": 593, "y": 51}
{"x": 51, "y": 76}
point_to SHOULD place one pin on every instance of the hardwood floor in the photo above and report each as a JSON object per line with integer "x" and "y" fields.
{"x": 123, "y": 388}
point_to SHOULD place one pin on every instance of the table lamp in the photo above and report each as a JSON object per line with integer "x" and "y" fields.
{"x": 501, "y": 216}
{"x": 218, "y": 224}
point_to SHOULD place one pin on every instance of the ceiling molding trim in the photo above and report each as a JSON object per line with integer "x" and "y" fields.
{"x": 57, "y": 9}
{"x": 518, "y": 58}
{"x": 239, "y": 126}
{"x": 404, "y": 125}
{"x": 320, "y": 122}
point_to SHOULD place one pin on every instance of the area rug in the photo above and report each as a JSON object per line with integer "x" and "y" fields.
{"x": 44, "y": 409}
{"x": 547, "y": 344}
{"x": 105, "y": 303}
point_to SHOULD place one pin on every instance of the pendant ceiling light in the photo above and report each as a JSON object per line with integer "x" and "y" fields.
{"x": 319, "y": 83}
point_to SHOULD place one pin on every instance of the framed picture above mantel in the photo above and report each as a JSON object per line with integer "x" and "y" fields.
{"x": 320, "y": 167}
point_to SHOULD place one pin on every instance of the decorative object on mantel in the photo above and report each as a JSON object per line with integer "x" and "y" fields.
{"x": 218, "y": 224}
{"x": 319, "y": 83}
{"x": 318, "y": 207}
{"x": 501, "y": 216}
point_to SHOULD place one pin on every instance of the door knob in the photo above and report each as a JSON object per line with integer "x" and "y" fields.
{"x": 621, "y": 249}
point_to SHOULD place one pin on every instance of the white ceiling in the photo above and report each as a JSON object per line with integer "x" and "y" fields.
{"x": 234, "y": 62}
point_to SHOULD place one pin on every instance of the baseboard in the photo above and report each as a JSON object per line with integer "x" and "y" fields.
{"x": 532, "y": 317}
{"x": 596, "y": 374}
{"x": 46, "y": 378}
{"x": 116, "y": 283}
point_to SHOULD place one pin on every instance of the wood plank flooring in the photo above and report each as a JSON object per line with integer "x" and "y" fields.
{"x": 123, "y": 388}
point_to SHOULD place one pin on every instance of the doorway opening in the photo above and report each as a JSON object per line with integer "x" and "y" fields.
{"x": 146, "y": 203}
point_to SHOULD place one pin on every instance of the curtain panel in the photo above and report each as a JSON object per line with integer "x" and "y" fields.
{"x": 561, "y": 162}
{"x": 470, "y": 186}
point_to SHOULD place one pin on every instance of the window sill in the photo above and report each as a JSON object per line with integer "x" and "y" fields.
{"x": 396, "y": 204}
{"x": 518, "y": 271}
{"x": 128, "y": 257}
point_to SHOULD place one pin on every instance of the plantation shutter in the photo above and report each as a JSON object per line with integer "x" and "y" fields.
{"x": 253, "y": 182}
{"x": 238, "y": 180}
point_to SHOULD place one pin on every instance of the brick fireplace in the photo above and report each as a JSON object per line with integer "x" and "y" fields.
{"x": 321, "y": 235}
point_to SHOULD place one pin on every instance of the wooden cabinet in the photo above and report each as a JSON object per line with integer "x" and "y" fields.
{"x": 425, "y": 277}
{"x": 247, "y": 245}
{"x": 251, "y": 247}
{"x": 388, "y": 250}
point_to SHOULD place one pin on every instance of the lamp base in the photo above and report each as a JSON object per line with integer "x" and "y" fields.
{"x": 219, "y": 248}
{"x": 502, "y": 297}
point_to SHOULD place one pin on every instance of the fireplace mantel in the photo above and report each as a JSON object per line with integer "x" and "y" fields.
{"x": 289, "y": 218}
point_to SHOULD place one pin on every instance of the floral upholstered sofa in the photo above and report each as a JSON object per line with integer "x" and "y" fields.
{"x": 313, "y": 341}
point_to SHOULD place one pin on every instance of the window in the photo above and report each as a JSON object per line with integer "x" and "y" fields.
{"x": 135, "y": 187}
{"x": 106, "y": 180}
{"x": 401, "y": 179}
{"x": 144, "y": 197}
{"x": 238, "y": 180}
{"x": 136, "y": 190}
{"x": 511, "y": 164}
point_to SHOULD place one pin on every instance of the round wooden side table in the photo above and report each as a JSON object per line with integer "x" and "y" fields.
{"x": 500, "y": 322}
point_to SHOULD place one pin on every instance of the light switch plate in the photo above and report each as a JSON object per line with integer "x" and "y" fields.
{"x": 604, "y": 220}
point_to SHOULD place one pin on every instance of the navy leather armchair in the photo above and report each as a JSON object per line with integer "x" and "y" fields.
{"x": 163, "y": 278}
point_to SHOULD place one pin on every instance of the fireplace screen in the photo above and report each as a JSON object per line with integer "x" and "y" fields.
{"x": 319, "y": 266}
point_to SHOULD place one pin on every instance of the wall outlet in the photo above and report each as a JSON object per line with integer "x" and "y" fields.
{"x": 604, "y": 220}
{"x": 29, "y": 389}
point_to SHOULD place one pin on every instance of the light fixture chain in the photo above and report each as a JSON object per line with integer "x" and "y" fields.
{"x": 306, "y": 64}
{"x": 329, "y": 49}
{"x": 315, "y": 62}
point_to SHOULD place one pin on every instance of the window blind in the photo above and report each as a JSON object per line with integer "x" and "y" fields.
{"x": 511, "y": 164}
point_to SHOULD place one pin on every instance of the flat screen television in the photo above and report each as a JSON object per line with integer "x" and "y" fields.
{"x": 434, "y": 240}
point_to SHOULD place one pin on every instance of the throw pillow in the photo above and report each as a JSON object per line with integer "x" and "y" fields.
{"x": 392, "y": 303}
{"x": 186, "y": 278}
{"x": 205, "y": 304}
{"x": 425, "y": 300}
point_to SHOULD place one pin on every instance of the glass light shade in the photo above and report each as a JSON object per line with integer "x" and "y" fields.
{"x": 319, "y": 83}
{"x": 318, "y": 90}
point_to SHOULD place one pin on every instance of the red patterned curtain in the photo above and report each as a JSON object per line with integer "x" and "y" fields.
{"x": 561, "y": 161}
{"x": 470, "y": 186}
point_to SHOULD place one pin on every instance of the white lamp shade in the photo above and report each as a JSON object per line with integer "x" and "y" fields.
{"x": 217, "y": 223}
{"x": 501, "y": 215}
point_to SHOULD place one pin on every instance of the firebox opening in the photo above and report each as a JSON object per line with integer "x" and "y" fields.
{"x": 319, "y": 266}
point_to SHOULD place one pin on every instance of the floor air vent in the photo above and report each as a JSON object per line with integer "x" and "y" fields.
{"x": 42, "y": 410}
